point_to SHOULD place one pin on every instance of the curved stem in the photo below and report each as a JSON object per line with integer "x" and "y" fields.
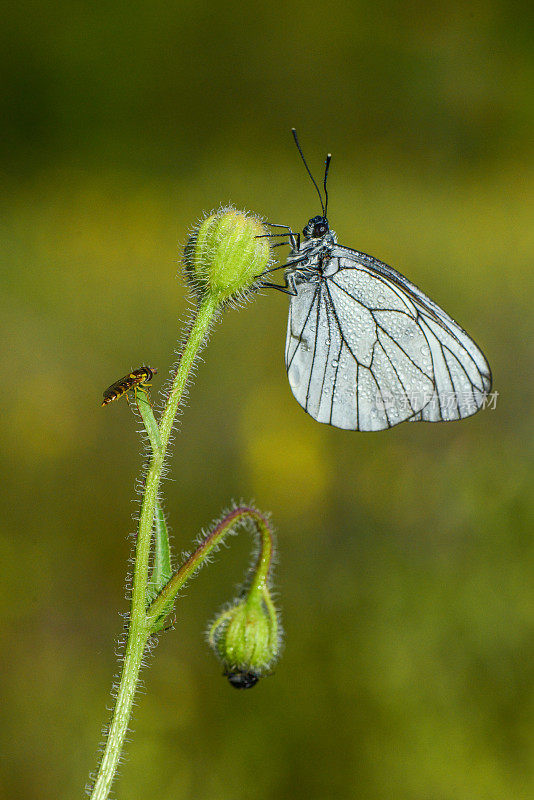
{"x": 139, "y": 629}
{"x": 163, "y": 602}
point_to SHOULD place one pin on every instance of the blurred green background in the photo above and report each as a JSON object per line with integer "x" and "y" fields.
{"x": 406, "y": 563}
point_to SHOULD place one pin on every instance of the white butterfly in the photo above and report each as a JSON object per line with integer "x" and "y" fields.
{"x": 365, "y": 348}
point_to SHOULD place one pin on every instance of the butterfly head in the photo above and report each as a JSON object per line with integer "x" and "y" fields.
{"x": 316, "y": 228}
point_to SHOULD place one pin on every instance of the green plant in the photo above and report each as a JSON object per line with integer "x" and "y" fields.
{"x": 224, "y": 256}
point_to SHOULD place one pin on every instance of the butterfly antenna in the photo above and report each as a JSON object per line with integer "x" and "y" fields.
{"x": 326, "y": 168}
{"x": 293, "y": 131}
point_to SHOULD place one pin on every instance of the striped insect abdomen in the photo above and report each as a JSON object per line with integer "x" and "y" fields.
{"x": 138, "y": 377}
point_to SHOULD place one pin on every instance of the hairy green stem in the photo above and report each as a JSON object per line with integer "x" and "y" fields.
{"x": 193, "y": 345}
{"x": 133, "y": 657}
{"x": 140, "y": 628}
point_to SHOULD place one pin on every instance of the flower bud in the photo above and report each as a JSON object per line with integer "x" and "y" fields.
{"x": 224, "y": 256}
{"x": 246, "y": 638}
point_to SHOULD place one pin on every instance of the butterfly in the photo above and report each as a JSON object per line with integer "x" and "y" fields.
{"x": 366, "y": 349}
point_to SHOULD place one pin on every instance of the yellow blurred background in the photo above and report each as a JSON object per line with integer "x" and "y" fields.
{"x": 406, "y": 558}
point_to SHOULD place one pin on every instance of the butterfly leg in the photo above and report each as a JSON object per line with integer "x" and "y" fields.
{"x": 288, "y": 288}
{"x": 294, "y": 238}
{"x": 284, "y": 289}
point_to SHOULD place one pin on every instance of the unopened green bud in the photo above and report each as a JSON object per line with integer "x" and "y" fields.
{"x": 246, "y": 638}
{"x": 224, "y": 256}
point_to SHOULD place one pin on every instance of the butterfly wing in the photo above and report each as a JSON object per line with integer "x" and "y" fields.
{"x": 366, "y": 349}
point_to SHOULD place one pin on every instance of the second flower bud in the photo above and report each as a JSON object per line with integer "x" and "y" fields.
{"x": 246, "y": 638}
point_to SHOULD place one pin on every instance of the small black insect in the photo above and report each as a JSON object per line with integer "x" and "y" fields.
{"x": 138, "y": 377}
{"x": 242, "y": 680}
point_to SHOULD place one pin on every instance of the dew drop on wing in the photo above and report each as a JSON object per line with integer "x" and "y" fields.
{"x": 295, "y": 376}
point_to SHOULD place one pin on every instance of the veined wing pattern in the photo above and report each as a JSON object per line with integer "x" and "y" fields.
{"x": 366, "y": 349}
